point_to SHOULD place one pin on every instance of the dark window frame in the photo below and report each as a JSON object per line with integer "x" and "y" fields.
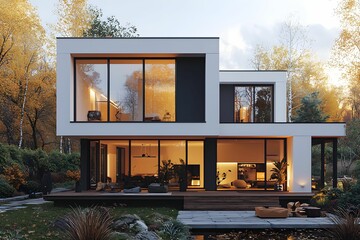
{"x": 253, "y": 86}
{"x": 108, "y": 60}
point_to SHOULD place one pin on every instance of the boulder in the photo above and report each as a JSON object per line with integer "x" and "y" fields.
{"x": 139, "y": 226}
{"x": 124, "y": 222}
{"x": 147, "y": 235}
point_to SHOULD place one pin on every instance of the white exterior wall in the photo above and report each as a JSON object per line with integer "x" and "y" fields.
{"x": 282, "y": 129}
{"x": 278, "y": 78}
{"x": 299, "y": 159}
{"x": 68, "y": 48}
{"x": 298, "y": 135}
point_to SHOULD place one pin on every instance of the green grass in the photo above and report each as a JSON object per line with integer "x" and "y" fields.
{"x": 37, "y": 221}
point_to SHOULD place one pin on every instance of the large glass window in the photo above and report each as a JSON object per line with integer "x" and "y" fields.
{"x": 126, "y": 90}
{"x": 248, "y": 163}
{"x": 134, "y": 95}
{"x": 195, "y": 168}
{"x": 91, "y": 90}
{"x": 144, "y": 158}
{"x": 253, "y": 104}
{"x": 263, "y": 104}
{"x": 160, "y": 90}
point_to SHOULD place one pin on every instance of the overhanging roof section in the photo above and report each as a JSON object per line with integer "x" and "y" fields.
{"x": 93, "y": 46}
{"x": 283, "y": 129}
{"x": 252, "y": 77}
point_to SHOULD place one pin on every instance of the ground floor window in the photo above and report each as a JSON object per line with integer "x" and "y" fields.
{"x": 141, "y": 162}
{"x": 248, "y": 163}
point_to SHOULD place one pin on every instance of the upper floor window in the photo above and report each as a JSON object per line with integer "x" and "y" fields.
{"x": 125, "y": 90}
{"x": 253, "y": 104}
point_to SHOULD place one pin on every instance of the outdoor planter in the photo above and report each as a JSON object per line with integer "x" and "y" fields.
{"x": 157, "y": 188}
{"x": 77, "y": 186}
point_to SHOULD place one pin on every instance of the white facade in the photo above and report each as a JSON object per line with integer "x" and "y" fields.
{"x": 298, "y": 135}
{"x": 69, "y": 48}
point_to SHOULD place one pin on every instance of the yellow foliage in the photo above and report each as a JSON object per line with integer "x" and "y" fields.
{"x": 346, "y": 54}
{"x": 74, "y": 18}
{"x": 308, "y": 76}
{"x": 27, "y": 82}
{"x": 15, "y": 176}
{"x": 73, "y": 175}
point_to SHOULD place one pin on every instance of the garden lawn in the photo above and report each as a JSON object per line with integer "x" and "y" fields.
{"x": 37, "y": 221}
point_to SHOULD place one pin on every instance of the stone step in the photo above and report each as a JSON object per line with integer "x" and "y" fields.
{"x": 228, "y": 202}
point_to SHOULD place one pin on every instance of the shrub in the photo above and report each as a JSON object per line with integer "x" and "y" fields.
{"x": 16, "y": 155}
{"x": 58, "y": 177}
{"x": 6, "y": 190}
{"x": 14, "y": 175}
{"x": 88, "y": 223}
{"x": 31, "y": 187}
{"x": 73, "y": 175}
{"x": 5, "y": 159}
{"x": 327, "y": 199}
{"x": 346, "y": 226}
{"x": 60, "y": 162}
{"x": 73, "y": 160}
{"x": 174, "y": 229}
{"x": 37, "y": 162}
{"x": 351, "y": 197}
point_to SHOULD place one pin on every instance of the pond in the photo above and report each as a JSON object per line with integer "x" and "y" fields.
{"x": 264, "y": 234}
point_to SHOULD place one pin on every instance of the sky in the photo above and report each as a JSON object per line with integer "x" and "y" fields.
{"x": 240, "y": 24}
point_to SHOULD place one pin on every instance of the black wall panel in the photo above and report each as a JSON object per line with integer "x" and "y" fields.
{"x": 190, "y": 89}
{"x": 226, "y": 103}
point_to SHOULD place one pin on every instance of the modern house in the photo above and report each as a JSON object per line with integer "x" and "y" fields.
{"x": 134, "y": 102}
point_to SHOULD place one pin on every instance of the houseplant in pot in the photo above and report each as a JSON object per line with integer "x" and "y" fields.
{"x": 74, "y": 176}
{"x": 166, "y": 172}
{"x": 180, "y": 174}
{"x": 279, "y": 173}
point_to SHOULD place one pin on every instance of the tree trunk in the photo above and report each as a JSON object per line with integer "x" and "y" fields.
{"x": 22, "y": 113}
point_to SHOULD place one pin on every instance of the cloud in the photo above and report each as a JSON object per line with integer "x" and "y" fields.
{"x": 322, "y": 40}
{"x": 237, "y": 43}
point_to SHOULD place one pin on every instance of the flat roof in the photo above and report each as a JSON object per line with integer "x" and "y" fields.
{"x": 137, "y": 37}
{"x": 246, "y": 70}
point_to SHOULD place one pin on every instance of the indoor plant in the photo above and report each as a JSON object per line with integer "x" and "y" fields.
{"x": 180, "y": 174}
{"x": 279, "y": 173}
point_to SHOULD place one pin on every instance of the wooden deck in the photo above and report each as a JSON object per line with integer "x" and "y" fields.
{"x": 190, "y": 200}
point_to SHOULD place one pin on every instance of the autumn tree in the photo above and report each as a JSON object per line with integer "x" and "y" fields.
{"x": 73, "y": 18}
{"x": 305, "y": 74}
{"x": 22, "y": 37}
{"x": 346, "y": 52}
{"x": 349, "y": 146}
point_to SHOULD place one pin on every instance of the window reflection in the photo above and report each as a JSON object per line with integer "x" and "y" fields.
{"x": 131, "y": 95}
{"x": 253, "y": 104}
{"x": 263, "y": 104}
{"x": 243, "y": 104}
{"x": 91, "y": 90}
{"x": 126, "y": 90}
{"x": 160, "y": 90}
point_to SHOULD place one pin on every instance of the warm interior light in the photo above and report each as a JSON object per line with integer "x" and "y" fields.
{"x": 260, "y": 176}
{"x": 302, "y": 184}
{"x": 92, "y": 98}
{"x": 195, "y": 182}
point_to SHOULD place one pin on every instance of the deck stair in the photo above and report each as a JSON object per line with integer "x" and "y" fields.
{"x": 229, "y": 202}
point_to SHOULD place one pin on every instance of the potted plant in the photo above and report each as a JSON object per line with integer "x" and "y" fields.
{"x": 180, "y": 174}
{"x": 75, "y": 176}
{"x": 279, "y": 173}
{"x": 166, "y": 172}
